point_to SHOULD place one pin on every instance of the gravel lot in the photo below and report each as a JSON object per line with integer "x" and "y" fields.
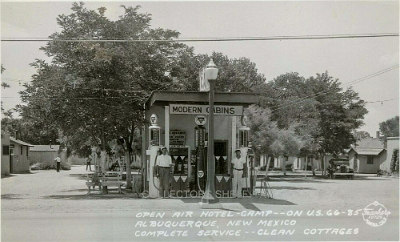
{"x": 49, "y": 191}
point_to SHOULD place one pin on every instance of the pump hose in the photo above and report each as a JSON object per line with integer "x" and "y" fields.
{"x": 247, "y": 188}
{"x": 198, "y": 184}
{"x": 154, "y": 184}
{"x": 197, "y": 175}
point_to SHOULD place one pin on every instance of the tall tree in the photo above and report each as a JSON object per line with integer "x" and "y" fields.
{"x": 340, "y": 111}
{"x": 325, "y": 113}
{"x": 94, "y": 91}
{"x": 234, "y": 75}
{"x": 390, "y": 127}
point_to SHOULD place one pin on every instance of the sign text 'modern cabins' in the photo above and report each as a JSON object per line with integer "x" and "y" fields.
{"x": 205, "y": 109}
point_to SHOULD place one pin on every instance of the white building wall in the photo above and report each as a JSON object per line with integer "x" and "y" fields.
{"x": 391, "y": 145}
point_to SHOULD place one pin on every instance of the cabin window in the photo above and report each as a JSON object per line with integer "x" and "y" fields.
{"x": 370, "y": 160}
{"x": 6, "y": 150}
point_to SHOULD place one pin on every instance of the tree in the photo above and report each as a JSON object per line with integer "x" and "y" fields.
{"x": 390, "y": 127}
{"x": 268, "y": 138}
{"x": 3, "y": 85}
{"x": 287, "y": 144}
{"x": 263, "y": 131}
{"x": 234, "y": 75}
{"x": 326, "y": 114}
{"x": 340, "y": 111}
{"x": 94, "y": 91}
{"x": 323, "y": 115}
{"x": 358, "y": 135}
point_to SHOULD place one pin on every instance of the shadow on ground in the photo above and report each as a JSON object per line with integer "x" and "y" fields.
{"x": 10, "y": 196}
{"x": 94, "y": 196}
{"x": 297, "y": 179}
{"x": 76, "y": 190}
{"x": 247, "y": 202}
{"x": 288, "y": 188}
{"x": 24, "y": 173}
{"x": 7, "y": 176}
{"x": 79, "y": 176}
{"x": 367, "y": 178}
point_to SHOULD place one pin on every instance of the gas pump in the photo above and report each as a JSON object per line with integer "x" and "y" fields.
{"x": 155, "y": 131}
{"x": 154, "y": 144}
{"x": 200, "y": 133}
{"x": 250, "y": 154}
{"x": 244, "y": 134}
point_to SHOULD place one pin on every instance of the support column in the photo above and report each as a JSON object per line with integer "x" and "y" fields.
{"x": 233, "y": 132}
{"x": 166, "y": 140}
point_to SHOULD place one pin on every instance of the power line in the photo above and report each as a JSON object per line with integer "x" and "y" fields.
{"x": 381, "y": 101}
{"x": 343, "y": 85}
{"x": 214, "y": 39}
{"x": 82, "y": 98}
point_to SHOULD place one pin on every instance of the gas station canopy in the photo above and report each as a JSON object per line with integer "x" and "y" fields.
{"x": 165, "y": 98}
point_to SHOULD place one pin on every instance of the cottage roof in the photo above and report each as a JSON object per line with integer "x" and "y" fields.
{"x": 368, "y": 151}
{"x": 45, "y": 148}
{"x": 12, "y": 139}
{"x": 370, "y": 143}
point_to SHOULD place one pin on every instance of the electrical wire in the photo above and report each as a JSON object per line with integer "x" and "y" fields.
{"x": 343, "y": 85}
{"x": 273, "y": 110}
{"x": 381, "y": 101}
{"x": 214, "y": 39}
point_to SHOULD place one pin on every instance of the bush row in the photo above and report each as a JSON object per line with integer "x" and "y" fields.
{"x": 50, "y": 165}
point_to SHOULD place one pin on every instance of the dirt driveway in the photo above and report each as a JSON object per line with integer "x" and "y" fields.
{"x": 49, "y": 191}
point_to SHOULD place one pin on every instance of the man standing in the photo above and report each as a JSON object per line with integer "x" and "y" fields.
{"x": 164, "y": 163}
{"x": 331, "y": 169}
{"x": 88, "y": 160}
{"x": 238, "y": 172}
{"x": 58, "y": 161}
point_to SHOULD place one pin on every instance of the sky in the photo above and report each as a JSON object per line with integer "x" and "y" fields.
{"x": 344, "y": 59}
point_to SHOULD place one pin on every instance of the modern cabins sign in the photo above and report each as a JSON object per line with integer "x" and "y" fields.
{"x": 205, "y": 109}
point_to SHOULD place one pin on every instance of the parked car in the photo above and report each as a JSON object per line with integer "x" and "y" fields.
{"x": 342, "y": 168}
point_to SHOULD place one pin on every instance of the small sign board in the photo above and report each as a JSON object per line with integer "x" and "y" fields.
{"x": 177, "y": 137}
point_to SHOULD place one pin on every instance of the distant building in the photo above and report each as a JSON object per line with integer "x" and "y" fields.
{"x": 43, "y": 153}
{"x": 18, "y": 161}
{"x": 5, "y": 154}
{"x": 368, "y": 155}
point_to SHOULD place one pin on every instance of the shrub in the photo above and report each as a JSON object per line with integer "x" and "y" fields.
{"x": 135, "y": 165}
{"x": 50, "y": 165}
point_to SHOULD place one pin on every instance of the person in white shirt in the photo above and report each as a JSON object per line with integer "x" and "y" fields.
{"x": 58, "y": 161}
{"x": 164, "y": 164}
{"x": 238, "y": 171}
